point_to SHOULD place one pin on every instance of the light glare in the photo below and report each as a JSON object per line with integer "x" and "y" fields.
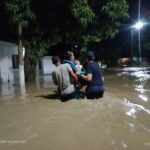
{"x": 139, "y": 25}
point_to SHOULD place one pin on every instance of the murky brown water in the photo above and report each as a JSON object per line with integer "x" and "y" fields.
{"x": 38, "y": 120}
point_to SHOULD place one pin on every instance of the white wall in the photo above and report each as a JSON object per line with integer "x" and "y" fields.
{"x": 6, "y": 70}
{"x": 47, "y": 65}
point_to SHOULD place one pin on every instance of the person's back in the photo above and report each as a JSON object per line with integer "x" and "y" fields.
{"x": 65, "y": 82}
{"x": 63, "y": 76}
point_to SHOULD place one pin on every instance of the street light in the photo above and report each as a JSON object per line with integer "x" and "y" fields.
{"x": 138, "y": 26}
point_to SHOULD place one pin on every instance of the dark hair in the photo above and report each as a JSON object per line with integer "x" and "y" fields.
{"x": 90, "y": 55}
{"x": 55, "y": 59}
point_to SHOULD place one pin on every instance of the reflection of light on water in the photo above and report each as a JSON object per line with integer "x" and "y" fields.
{"x": 147, "y": 144}
{"x": 131, "y": 125}
{"x": 144, "y": 98}
{"x": 122, "y": 73}
{"x": 142, "y": 90}
{"x": 135, "y": 108}
{"x": 131, "y": 113}
{"x": 124, "y": 144}
{"x": 136, "y": 68}
{"x": 140, "y": 74}
{"x": 139, "y": 88}
{"x": 129, "y": 69}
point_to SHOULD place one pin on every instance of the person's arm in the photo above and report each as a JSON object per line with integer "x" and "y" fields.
{"x": 87, "y": 77}
{"x": 103, "y": 78}
{"x": 54, "y": 78}
{"x": 73, "y": 75}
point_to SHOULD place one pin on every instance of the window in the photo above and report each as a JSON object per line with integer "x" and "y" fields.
{"x": 15, "y": 61}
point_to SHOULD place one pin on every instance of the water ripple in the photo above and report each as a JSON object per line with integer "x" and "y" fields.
{"x": 135, "y": 108}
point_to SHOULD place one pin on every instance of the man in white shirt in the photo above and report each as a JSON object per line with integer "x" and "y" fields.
{"x": 65, "y": 78}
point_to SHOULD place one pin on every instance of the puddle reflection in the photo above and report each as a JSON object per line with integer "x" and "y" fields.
{"x": 6, "y": 89}
{"x": 9, "y": 89}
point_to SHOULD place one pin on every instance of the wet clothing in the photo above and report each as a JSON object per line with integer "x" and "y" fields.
{"x": 72, "y": 65}
{"x": 67, "y": 97}
{"x": 94, "y": 92}
{"x": 95, "y": 88}
{"x": 62, "y": 76}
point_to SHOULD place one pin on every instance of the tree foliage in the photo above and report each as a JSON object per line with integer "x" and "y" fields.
{"x": 80, "y": 21}
{"x": 103, "y": 19}
{"x": 116, "y": 9}
{"x": 36, "y": 43}
{"x": 82, "y": 12}
{"x": 51, "y": 22}
{"x": 19, "y": 11}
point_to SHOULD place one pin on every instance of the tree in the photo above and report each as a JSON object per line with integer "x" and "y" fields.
{"x": 20, "y": 14}
{"x": 36, "y": 46}
{"x": 99, "y": 19}
{"x": 80, "y": 21}
{"x": 64, "y": 22}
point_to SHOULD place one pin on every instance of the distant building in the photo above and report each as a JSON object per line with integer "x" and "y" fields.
{"x": 8, "y": 62}
{"x": 46, "y": 66}
{"x": 44, "y": 69}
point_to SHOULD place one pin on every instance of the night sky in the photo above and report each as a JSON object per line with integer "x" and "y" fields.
{"x": 123, "y": 39}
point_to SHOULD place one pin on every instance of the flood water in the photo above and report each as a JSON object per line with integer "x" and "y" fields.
{"x": 37, "y": 119}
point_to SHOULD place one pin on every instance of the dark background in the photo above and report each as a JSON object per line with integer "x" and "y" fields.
{"x": 120, "y": 46}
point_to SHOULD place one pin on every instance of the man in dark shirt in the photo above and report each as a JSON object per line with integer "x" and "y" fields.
{"x": 95, "y": 88}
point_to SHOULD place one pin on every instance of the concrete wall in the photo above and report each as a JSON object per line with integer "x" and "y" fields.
{"x": 47, "y": 66}
{"x": 6, "y": 68}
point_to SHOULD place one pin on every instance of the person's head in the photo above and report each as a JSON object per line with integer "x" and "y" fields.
{"x": 70, "y": 55}
{"x": 90, "y": 55}
{"x": 56, "y": 60}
